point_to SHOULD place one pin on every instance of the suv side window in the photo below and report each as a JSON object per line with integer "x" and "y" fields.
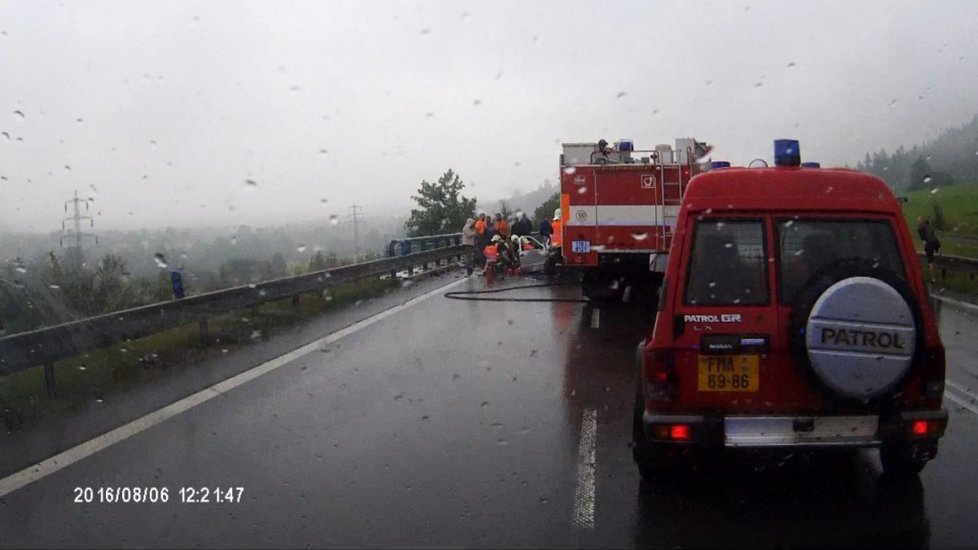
{"x": 727, "y": 264}
{"x": 807, "y": 246}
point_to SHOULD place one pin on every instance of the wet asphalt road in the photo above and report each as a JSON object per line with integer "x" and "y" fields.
{"x": 459, "y": 423}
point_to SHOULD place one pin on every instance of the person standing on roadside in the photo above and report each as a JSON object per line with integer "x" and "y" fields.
{"x": 545, "y": 231}
{"x": 932, "y": 244}
{"x": 468, "y": 241}
{"x": 482, "y": 237}
{"x": 502, "y": 227}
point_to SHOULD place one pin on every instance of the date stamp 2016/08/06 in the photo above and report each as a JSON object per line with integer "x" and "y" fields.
{"x": 158, "y": 495}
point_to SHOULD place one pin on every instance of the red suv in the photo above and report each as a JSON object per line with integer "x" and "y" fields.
{"x": 793, "y": 314}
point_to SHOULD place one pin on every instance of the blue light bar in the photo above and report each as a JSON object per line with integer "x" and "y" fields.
{"x": 787, "y": 152}
{"x": 719, "y": 164}
{"x": 811, "y": 165}
{"x": 626, "y": 145}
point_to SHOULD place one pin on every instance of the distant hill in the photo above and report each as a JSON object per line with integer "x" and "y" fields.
{"x": 951, "y": 157}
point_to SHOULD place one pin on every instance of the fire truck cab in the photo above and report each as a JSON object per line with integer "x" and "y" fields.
{"x": 619, "y": 208}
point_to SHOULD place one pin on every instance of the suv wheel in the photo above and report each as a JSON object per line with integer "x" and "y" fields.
{"x": 651, "y": 465}
{"x": 901, "y": 459}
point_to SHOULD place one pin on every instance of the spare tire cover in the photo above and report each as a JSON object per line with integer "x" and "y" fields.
{"x": 860, "y": 337}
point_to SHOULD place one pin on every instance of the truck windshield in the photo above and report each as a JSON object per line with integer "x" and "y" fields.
{"x": 808, "y": 246}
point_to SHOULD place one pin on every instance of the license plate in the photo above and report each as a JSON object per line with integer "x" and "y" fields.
{"x": 728, "y": 373}
{"x": 581, "y": 247}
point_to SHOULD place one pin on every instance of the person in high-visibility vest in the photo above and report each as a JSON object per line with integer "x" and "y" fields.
{"x": 556, "y": 225}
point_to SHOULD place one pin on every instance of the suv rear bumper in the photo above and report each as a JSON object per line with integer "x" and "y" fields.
{"x": 794, "y": 431}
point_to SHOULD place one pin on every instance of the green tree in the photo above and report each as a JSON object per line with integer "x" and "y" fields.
{"x": 441, "y": 207}
{"x": 546, "y": 210}
{"x": 505, "y": 210}
{"x": 112, "y": 290}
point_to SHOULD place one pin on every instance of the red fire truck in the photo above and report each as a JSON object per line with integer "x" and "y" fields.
{"x": 618, "y": 208}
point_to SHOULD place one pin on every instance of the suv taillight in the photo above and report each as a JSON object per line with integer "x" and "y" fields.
{"x": 933, "y": 372}
{"x": 660, "y": 375}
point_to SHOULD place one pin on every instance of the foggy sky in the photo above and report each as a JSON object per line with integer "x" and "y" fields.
{"x": 163, "y": 110}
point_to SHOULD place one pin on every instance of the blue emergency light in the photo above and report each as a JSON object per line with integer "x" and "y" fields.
{"x": 787, "y": 152}
{"x": 626, "y": 145}
{"x": 719, "y": 164}
{"x": 811, "y": 165}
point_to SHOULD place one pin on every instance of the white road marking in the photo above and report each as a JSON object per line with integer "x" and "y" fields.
{"x": 51, "y": 465}
{"x": 595, "y": 318}
{"x": 961, "y": 388}
{"x": 952, "y": 301}
{"x": 961, "y": 402}
{"x": 586, "y": 468}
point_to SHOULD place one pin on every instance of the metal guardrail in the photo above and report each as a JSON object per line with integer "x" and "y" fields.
{"x": 403, "y": 247}
{"x": 47, "y": 345}
{"x": 947, "y": 263}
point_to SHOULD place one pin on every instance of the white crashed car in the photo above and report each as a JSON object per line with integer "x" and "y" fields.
{"x": 533, "y": 254}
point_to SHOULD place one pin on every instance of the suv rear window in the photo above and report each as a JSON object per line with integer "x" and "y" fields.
{"x": 807, "y": 246}
{"x": 727, "y": 264}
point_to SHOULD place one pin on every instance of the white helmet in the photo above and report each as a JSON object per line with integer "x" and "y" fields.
{"x": 515, "y": 238}
{"x": 496, "y": 238}
{"x": 557, "y": 214}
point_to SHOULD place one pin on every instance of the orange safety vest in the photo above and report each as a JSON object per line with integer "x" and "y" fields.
{"x": 555, "y": 237}
{"x": 490, "y": 252}
{"x": 480, "y": 227}
{"x": 502, "y": 227}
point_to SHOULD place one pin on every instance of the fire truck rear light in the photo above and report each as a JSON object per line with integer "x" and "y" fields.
{"x": 680, "y": 432}
{"x": 919, "y": 427}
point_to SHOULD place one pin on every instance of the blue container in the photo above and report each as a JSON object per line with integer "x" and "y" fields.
{"x": 811, "y": 165}
{"x": 719, "y": 164}
{"x": 787, "y": 152}
{"x": 626, "y": 145}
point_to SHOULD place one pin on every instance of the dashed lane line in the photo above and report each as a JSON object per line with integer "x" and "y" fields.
{"x": 55, "y": 463}
{"x": 586, "y": 468}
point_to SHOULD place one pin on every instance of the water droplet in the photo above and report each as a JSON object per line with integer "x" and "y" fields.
{"x": 255, "y": 334}
{"x": 655, "y": 112}
{"x": 19, "y": 115}
{"x": 334, "y": 220}
{"x": 581, "y": 190}
{"x": 927, "y": 179}
{"x": 496, "y": 425}
{"x": 425, "y": 31}
{"x": 502, "y": 442}
{"x": 6, "y": 137}
{"x": 301, "y": 248}
{"x": 620, "y": 95}
{"x": 570, "y": 170}
{"x": 799, "y": 252}
{"x": 160, "y": 260}
{"x": 892, "y": 102}
{"x": 791, "y": 64}
{"x": 425, "y": 417}
{"x": 713, "y": 284}
{"x": 67, "y": 168}
{"x": 934, "y": 191}
{"x": 640, "y": 236}
{"x": 251, "y": 184}
{"x": 758, "y": 84}
{"x": 544, "y": 500}
{"x": 484, "y": 404}
{"x": 476, "y": 102}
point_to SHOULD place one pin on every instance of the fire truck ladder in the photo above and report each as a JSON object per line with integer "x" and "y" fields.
{"x": 667, "y": 221}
